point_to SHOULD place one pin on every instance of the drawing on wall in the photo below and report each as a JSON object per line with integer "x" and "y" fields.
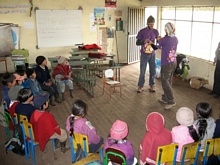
{"x": 99, "y": 16}
{"x": 110, "y": 3}
{"x": 6, "y": 40}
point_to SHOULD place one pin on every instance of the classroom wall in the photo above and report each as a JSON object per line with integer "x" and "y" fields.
{"x": 27, "y": 23}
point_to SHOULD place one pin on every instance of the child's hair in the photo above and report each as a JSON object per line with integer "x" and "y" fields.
{"x": 204, "y": 110}
{"x": 24, "y": 94}
{"x": 79, "y": 109}
{"x": 20, "y": 72}
{"x": 185, "y": 117}
{"x": 29, "y": 72}
{"x": 7, "y": 78}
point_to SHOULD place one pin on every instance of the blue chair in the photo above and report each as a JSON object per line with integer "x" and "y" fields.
{"x": 32, "y": 143}
{"x": 81, "y": 139}
{"x": 190, "y": 152}
{"x": 167, "y": 154}
{"x": 208, "y": 150}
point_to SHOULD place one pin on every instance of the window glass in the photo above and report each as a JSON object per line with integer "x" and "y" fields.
{"x": 168, "y": 13}
{"x": 217, "y": 15}
{"x": 184, "y": 36}
{"x": 201, "y": 40}
{"x": 203, "y": 14}
{"x": 183, "y": 13}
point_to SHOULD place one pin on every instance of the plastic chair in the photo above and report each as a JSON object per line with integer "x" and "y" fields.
{"x": 83, "y": 141}
{"x": 33, "y": 143}
{"x": 217, "y": 147}
{"x": 190, "y": 152}
{"x": 116, "y": 156}
{"x": 167, "y": 154}
{"x": 109, "y": 79}
{"x": 208, "y": 150}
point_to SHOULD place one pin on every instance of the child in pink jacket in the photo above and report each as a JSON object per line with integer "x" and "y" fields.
{"x": 185, "y": 132}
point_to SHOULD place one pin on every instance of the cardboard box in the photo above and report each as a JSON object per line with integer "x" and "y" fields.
{"x": 197, "y": 82}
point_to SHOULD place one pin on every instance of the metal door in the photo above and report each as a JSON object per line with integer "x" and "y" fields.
{"x": 136, "y": 19}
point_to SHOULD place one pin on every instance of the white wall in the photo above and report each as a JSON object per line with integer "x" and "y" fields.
{"x": 28, "y": 36}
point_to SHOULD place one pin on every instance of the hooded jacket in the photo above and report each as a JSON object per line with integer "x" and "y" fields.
{"x": 209, "y": 130}
{"x": 155, "y": 136}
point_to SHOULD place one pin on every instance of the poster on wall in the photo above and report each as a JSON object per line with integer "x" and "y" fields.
{"x": 99, "y": 16}
{"x": 110, "y": 4}
{"x": 6, "y": 40}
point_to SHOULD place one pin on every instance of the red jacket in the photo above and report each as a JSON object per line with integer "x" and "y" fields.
{"x": 44, "y": 126}
{"x": 12, "y": 111}
{"x": 61, "y": 69}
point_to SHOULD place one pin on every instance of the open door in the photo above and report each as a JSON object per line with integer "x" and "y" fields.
{"x": 136, "y": 21}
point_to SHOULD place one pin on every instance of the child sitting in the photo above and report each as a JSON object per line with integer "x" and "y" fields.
{"x": 117, "y": 140}
{"x": 156, "y": 135}
{"x": 45, "y": 127}
{"x": 205, "y": 124}
{"x": 62, "y": 75}
{"x": 22, "y": 72}
{"x": 79, "y": 124}
{"x": 35, "y": 86}
{"x": 25, "y": 106}
{"x": 8, "y": 81}
{"x": 44, "y": 78}
{"x": 184, "y": 133}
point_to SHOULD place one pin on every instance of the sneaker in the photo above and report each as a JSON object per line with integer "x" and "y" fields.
{"x": 169, "y": 106}
{"x": 162, "y": 101}
{"x": 152, "y": 89}
{"x": 140, "y": 89}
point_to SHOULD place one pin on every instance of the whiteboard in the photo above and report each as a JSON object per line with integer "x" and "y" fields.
{"x": 58, "y": 28}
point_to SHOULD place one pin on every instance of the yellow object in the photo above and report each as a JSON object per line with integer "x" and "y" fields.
{"x": 167, "y": 153}
{"x": 23, "y": 52}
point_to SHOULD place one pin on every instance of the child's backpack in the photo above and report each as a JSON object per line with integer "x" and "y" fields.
{"x": 16, "y": 144}
{"x": 182, "y": 66}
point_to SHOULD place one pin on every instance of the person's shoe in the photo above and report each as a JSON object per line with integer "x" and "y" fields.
{"x": 71, "y": 93}
{"x": 169, "y": 106}
{"x": 211, "y": 93}
{"x": 216, "y": 95}
{"x": 152, "y": 89}
{"x": 162, "y": 101}
{"x": 57, "y": 98}
{"x": 52, "y": 101}
{"x": 140, "y": 89}
{"x": 63, "y": 97}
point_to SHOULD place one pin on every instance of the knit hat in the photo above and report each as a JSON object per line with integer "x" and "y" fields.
{"x": 184, "y": 116}
{"x": 40, "y": 100}
{"x": 170, "y": 29}
{"x": 29, "y": 71}
{"x": 18, "y": 77}
{"x": 40, "y": 59}
{"x": 13, "y": 92}
{"x": 61, "y": 59}
{"x": 150, "y": 19}
{"x": 119, "y": 130}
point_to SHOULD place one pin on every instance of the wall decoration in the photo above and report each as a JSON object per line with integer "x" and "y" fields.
{"x": 99, "y": 16}
{"x": 110, "y": 3}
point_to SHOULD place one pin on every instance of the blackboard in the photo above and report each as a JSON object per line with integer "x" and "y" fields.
{"x": 58, "y": 28}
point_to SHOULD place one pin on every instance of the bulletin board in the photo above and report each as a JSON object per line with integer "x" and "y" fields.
{"x": 57, "y": 28}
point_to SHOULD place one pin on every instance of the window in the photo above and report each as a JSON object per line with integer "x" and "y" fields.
{"x": 197, "y": 29}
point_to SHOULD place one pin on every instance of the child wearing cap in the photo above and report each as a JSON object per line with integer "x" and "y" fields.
{"x": 79, "y": 124}
{"x": 186, "y": 132}
{"x": 42, "y": 119}
{"x": 62, "y": 75}
{"x": 44, "y": 78}
{"x": 117, "y": 140}
{"x": 156, "y": 135}
{"x": 8, "y": 81}
{"x": 205, "y": 124}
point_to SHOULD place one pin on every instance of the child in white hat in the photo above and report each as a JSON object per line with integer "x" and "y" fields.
{"x": 62, "y": 75}
{"x": 185, "y": 132}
